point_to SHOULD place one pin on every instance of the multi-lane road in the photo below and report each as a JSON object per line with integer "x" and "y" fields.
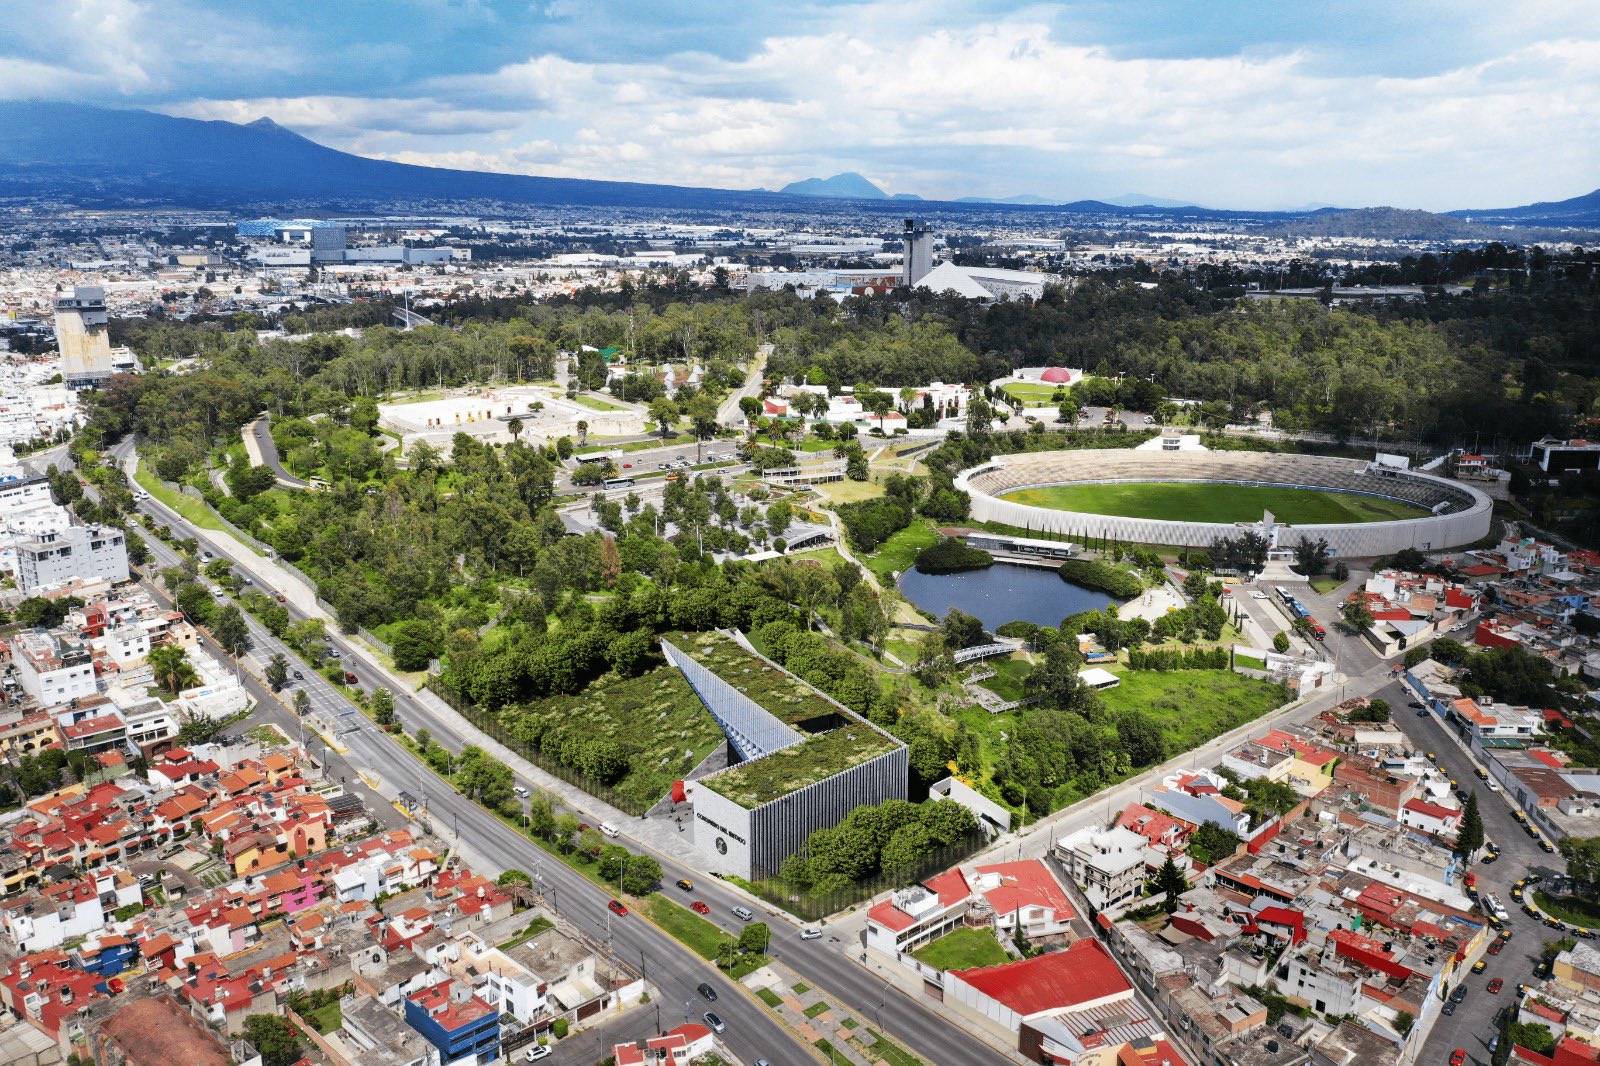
{"x": 490, "y": 845}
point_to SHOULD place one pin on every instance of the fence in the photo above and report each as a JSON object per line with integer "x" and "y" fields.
{"x": 489, "y": 722}
{"x": 808, "y": 905}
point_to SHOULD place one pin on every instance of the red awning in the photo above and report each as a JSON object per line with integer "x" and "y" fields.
{"x": 678, "y": 793}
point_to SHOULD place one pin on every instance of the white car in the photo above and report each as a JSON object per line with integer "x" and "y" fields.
{"x": 537, "y": 1052}
{"x": 1149, "y": 420}
{"x": 519, "y": 790}
{"x": 811, "y": 934}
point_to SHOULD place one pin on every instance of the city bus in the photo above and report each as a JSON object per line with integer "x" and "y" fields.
{"x": 619, "y": 483}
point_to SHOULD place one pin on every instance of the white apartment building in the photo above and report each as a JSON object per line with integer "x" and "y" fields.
{"x": 1108, "y": 864}
{"x": 84, "y": 553}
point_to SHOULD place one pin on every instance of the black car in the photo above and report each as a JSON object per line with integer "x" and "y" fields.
{"x": 708, "y": 992}
{"x": 1449, "y": 1008}
{"x": 298, "y": 676}
{"x": 1459, "y": 994}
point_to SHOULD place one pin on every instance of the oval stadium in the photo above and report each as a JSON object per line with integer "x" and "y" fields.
{"x": 1191, "y": 498}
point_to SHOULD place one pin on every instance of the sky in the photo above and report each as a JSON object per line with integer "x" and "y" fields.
{"x": 1434, "y": 105}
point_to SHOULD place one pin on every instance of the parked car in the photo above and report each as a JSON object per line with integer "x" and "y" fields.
{"x": 1458, "y": 1057}
{"x": 1496, "y": 985}
{"x": 617, "y": 908}
{"x": 1480, "y": 966}
{"x": 519, "y": 790}
{"x": 536, "y": 1053}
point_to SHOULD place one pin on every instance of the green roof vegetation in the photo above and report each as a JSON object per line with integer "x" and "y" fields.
{"x": 838, "y": 740}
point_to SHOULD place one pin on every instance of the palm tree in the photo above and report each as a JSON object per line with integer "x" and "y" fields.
{"x": 515, "y": 428}
{"x": 170, "y": 664}
{"x": 583, "y": 431}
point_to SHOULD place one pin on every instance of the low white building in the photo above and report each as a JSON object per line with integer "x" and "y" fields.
{"x": 50, "y": 669}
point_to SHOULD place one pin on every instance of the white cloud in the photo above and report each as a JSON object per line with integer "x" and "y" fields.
{"x": 999, "y": 108}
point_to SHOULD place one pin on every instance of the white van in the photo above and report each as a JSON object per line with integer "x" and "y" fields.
{"x": 744, "y": 914}
{"x": 608, "y": 829}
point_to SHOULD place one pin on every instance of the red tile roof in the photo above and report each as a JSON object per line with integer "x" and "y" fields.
{"x": 1084, "y": 973}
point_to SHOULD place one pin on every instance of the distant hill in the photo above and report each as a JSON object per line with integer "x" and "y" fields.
{"x": 1026, "y": 199}
{"x": 846, "y": 186}
{"x": 1139, "y": 199}
{"x": 1391, "y": 223}
{"x": 1578, "y": 211}
{"x": 105, "y": 156}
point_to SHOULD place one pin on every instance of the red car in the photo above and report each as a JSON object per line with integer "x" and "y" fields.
{"x": 1458, "y": 1057}
{"x": 1495, "y": 986}
{"x": 617, "y": 908}
{"x": 350, "y": 678}
{"x": 1494, "y": 948}
{"x": 699, "y": 908}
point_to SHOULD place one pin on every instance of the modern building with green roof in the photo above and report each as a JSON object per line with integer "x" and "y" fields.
{"x": 804, "y": 760}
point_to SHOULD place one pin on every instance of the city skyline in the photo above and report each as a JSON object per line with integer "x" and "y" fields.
{"x": 1243, "y": 106}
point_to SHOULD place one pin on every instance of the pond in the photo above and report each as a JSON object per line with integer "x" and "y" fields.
{"x": 1005, "y": 592}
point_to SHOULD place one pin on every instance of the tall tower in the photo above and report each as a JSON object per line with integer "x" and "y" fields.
{"x": 83, "y": 337}
{"x": 918, "y": 247}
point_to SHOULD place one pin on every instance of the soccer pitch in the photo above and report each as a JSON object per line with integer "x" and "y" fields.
{"x": 1191, "y": 501}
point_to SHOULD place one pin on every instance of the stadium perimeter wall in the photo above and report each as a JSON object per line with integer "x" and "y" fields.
{"x": 1352, "y": 540}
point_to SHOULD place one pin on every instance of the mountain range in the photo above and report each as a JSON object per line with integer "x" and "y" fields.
{"x": 104, "y": 157}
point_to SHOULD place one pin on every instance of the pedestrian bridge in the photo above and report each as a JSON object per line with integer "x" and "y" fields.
{"x": 986, "y": 651}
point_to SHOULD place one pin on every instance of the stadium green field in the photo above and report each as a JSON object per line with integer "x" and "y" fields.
{"x": 1189, "y": 501}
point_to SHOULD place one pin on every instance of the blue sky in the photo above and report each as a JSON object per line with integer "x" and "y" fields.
{"x": 1416, "y": 104}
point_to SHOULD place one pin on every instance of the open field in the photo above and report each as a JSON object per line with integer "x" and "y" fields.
{"x": 900, "y": 551}
{"x": 1193, "y": 706}
{"x": 1204, "y": 502}
{"x": 847, "y": 491}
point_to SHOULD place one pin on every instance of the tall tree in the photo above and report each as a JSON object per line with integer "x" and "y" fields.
{"x": 277, "y": 672}
{"x": 1170, "y": 879}
{"x": 1469, "y": 837}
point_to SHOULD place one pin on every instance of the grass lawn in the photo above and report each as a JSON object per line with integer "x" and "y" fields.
{"x": 193, "y": 509}
{"x": 654, "y": 717}
{"x": 1249, "y": 662}
{"x": 819, "y": 1008}
{"x": 848, "y": 491}
{"x": 826, "y": 557}
{"x": 697, "y": 934}
{"x": 1196, "y": 502}
{"x": 326, "y": 1019}
{"x": 893, "y": 1054}
{"x": 594, "y": 403}
{"x": 1569, "y": 909}
{"x": 800, "y": 988}
{"x": 899, "y": 552}
{"x": 1009, "y": 674}
{"x": 1325, "y": 584}
{"x": 963, "y": 949}
{"x": 662, "y": 442}
{"x": 817, "y": 444}
{"x": 1030, "y": 393}
{"x": 1193, "y": 706}
{"x": 769, "y": 997}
